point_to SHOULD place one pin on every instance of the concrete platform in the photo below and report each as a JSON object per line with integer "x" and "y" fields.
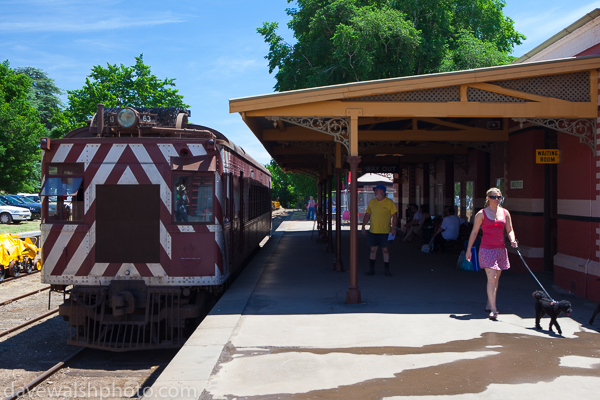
{"x": 283, "y": 331}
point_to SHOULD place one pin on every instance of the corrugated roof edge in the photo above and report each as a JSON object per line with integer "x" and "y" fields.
{"x": 569, "y": 29}
{"x": 350, "y": 86}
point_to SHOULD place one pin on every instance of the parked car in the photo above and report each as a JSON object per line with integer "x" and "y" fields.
{"x": 17, "y": 201}
{"x": 10, "y": 214}
{"x": 34, "y": 198}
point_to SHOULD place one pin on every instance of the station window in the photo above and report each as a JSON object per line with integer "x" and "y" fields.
{"x": 469, "y": 193}
{"x": 457, "y": 198}
{"x": 193, "y": 198}
{"x": 64, "y": 190}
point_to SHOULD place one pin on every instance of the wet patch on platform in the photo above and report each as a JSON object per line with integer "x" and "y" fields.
{"x": 462, "y": 367}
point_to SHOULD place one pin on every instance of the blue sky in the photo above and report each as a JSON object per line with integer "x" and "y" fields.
{"x": 210, "y": 47}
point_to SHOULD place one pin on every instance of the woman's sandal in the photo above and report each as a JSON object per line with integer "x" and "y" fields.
{"x": 493, "y": 316}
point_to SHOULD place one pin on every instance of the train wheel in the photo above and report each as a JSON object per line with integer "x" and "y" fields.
{"x": 14, "y": 269}
{"x": 28, "y": 266}
{"x": 2, "y": 272}
{"x": 38, "y": 265}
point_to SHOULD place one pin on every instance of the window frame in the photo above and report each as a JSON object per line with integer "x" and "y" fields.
{"x": 175, "y": 182}
{"x": 64, "y": 171}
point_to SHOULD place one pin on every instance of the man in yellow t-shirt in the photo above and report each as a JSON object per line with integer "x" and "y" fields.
{"x": 381, "y": 211}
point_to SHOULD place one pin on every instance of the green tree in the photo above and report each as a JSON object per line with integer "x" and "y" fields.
{"x": 117, "y": 86}
{"x": 44, "y": 97}
{"x": 473, "y": 53}
{"x": 287, "y": 187}
{"x": 340, "y": 41}
{"x": 43, "y": 94}
{"x": 20, "y": 133}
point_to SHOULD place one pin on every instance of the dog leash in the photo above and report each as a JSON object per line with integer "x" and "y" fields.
{"x": 536, "y": 279}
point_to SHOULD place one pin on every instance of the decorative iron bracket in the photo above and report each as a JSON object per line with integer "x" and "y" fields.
{"x": 584, "y": 129}
{"x": 337, "y": 127}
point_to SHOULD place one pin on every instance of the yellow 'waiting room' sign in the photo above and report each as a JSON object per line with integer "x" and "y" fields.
{"x": 547, "y": 156}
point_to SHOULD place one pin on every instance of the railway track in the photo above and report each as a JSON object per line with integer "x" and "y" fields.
{"x": 91, "y": 373}
{"x": 22, "y": 296}
{"x": 32, "y": 320}
{"x": 21, "y": 275}
{"x": 41, "y": 378}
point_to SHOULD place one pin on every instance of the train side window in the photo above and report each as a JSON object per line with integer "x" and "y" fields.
{"x": 193, "y": 198}
{"x": 64, "y": 190}
{"x": 226, "y": 210}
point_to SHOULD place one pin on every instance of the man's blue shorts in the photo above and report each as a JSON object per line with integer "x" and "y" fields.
{"x": 378, "y": 239}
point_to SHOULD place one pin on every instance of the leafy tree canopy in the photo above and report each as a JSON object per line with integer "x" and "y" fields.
{"x": 20, "y": 133}
{"x": 43, "y": 94}
{"x": 341, "y": 41}
{"x": 288, "y": 187}
{"x": 117, "y": 86}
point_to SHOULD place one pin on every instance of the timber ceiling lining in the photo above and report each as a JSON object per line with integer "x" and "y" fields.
{"x": 573, "y": 87}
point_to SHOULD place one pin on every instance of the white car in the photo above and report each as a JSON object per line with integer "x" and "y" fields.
{"x": 52, "y": 204}
{"x": 10, "y": 214}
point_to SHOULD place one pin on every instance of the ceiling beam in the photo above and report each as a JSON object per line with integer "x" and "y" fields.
{"x": 548, "y": 108}
{"x": 298, "y": 133}
{"x": 278, "y": 150}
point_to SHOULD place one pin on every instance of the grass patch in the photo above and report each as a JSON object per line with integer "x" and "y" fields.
{"x": 26, "y": 226}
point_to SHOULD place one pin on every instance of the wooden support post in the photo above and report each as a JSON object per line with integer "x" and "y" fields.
{"x": 353, "y": 293}
{"x": 329, "y": 248}
{"x": 318, "y": 209}
{"x": 338, "y": 265}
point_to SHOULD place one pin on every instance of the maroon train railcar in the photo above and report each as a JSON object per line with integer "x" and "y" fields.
{"x": 145, "y": 218}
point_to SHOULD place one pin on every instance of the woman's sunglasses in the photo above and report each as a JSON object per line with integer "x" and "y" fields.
{"x": 495, "y": 197}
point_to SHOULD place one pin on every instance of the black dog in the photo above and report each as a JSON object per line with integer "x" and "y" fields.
{"x": 545, "y": 306}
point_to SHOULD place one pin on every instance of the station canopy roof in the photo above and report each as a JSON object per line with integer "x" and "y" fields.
{"x": 415, "y": 119}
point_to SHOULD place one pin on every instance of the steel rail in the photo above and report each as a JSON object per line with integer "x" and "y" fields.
{"x": 27, "y": 388}
{"x": 21, "y": 275}
{"x": 31, "y": 321}
{"x": 24, "y": 295}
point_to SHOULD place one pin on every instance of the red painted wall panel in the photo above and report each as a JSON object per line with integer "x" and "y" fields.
{"x": 529, "y": 230}
{"x": 522, "y": 166}
{"x": 578, "y": 283}
{"x": 576, "y": 238}
{"x": 575, "y": 169}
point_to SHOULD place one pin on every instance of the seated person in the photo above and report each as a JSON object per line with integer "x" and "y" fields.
{"x": 416, "y": 225}
{"x": 448, "y": 230}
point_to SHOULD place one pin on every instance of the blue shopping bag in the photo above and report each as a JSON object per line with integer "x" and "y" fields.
{"x": 475, "y": 259}
{"x": 472, "y": 265}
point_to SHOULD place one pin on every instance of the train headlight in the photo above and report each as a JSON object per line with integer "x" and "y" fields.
{"x": 127, "y": 117}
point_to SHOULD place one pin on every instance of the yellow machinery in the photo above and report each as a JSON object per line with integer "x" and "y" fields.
{"x": 17, "y": 255}
{"x": 275, "y": 205}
